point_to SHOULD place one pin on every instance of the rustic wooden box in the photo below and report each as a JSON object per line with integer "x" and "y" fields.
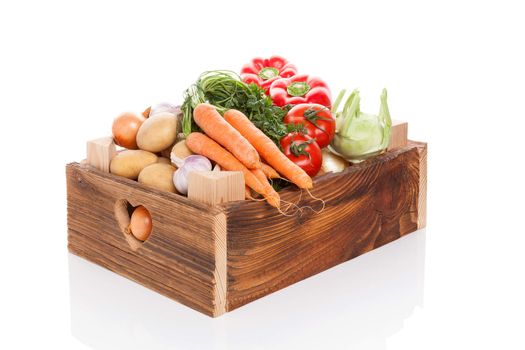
{"x": 216, "y": 259}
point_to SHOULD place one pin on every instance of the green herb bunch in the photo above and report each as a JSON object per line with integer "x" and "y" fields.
{"x": 225, "y": 90}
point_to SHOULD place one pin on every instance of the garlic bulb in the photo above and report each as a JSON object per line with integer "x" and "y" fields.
{"x": 191, "y": 163}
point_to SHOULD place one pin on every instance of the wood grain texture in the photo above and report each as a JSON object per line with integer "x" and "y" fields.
{"x": 398, "y": 135}
{"x": 220, "y": 275}
{"x": 422, "y": 200}
{"x": 367, "y": 206}
{"x": 100, "y": 152}
{"x": 178, "y": 259}
{"x": 214, "y": 187}
{"x": 217, "y": 258}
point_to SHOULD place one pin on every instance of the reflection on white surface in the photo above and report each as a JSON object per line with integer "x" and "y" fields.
{"x": 358, "y": 304}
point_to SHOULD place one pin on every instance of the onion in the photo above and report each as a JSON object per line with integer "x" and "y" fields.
{"x": 162, "y": 108}
{"x": 145, "y": 113}
{"x": 125, "y": 128}
{"x": 332, "y": 163}
{"x": 140, "y": 223}
{"x": 191, "y": 163}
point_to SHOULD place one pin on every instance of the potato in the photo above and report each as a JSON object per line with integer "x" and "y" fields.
{"x": 130, "y": 163}
{"x": 157, "y": 132}
{"x": 164, "y": 160}
{"x": 159, "y": 176}
{"x": 181, "y": 150}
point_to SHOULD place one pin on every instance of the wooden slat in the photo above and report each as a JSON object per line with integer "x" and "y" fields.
{"x": 422, "y": 200}
{"x": 139, "y": 270}
{"x": 398, "y": 135}
{"x": 180, "y": 251}
{"x": 215, "y": 187}
{"x": 220, "y": 276}
{"x": 366, "y": 206}
{"x": 100, "y": 152}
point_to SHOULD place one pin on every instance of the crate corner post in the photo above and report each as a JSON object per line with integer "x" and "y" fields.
{"x": 215, "y": 187}
{"x": 398, "y": 135}
{"x": 100, "y": 152}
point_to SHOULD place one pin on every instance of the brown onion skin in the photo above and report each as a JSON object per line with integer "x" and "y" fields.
{"x": 140, "y": 224}
{"x": 145, "y": 114}
{"x": 125, "y": 129}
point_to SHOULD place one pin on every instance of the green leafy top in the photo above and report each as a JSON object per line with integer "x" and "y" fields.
{"x": 225, "y": 90}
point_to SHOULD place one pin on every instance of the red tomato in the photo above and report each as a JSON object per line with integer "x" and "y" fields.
{"x": 303, "y": 151}
{"x": 317, "y": 120}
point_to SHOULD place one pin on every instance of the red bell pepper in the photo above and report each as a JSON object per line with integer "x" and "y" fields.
{"x": 300, "y": 89}
{"x": 264, "y": 71}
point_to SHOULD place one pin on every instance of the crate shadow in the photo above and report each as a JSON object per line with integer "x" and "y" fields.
{"x": 356, "y": 304}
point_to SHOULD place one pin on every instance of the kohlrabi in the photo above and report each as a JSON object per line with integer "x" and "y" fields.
{"x": 360, "y": 135}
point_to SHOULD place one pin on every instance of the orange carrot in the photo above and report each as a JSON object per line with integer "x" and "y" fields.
{"x": 209, "y": 120}
{"x": 268, "y": 150}
{"x": 259, "y": 174}
{"x": 248, "y": 193}
{"x": 203, "y": 145}
{"x": 269, "y": 171}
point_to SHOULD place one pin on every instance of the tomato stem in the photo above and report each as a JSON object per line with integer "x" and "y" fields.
{"x": 298, "y": 148}
{"x": 312, "y": 115}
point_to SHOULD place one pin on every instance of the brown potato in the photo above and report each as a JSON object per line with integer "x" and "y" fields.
{"x": 130, "y": 163}
{"x": 159, "y": 176}
{"x": 181, "y": 150}
{"x": 158, "y": 132}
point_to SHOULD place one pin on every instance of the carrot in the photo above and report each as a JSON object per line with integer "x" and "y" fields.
{"x": 248, "y": 193}
{"x": 267, "y": 149}
{"x": 203, "y": 145}
{"x": 269, "y": 171}
{"x": 259, "y": 174}
{"x": 209, "y": 120}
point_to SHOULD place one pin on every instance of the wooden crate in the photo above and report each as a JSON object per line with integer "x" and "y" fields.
{"x": 215, "y": 259}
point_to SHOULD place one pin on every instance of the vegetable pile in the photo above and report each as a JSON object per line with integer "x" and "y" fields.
{"x": 269, "y": 122}
{"x": 225, "y": 90}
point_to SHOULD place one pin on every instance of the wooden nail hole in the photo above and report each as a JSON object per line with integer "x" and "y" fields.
{"x": 123, "y": 211}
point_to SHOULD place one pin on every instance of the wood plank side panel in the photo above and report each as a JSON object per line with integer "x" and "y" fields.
{"x": 367, "y": 206}
{"x": 179, "y": 258}
{"x": 220, "y": 277}
{"x": 422, "y": 201}
{"x": 131, "y": 269}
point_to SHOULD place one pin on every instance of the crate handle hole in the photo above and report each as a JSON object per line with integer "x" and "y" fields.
{"x": 123, "y": 212}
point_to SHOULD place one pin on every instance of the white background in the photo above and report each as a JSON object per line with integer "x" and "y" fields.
{"x": 453, "y": 69}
